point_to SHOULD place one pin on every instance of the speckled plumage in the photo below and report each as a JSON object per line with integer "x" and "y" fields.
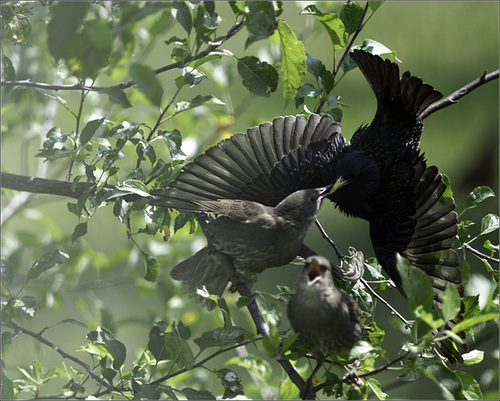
{"x": 255, "y": 237}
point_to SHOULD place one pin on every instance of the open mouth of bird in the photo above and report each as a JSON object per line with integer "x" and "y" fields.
{"x": 313, "y": 273}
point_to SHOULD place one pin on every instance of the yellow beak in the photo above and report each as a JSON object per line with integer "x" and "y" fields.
{"x": 338, "y": 184}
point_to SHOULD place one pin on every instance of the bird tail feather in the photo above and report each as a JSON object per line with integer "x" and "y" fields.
{"x": 408, "y": 94}
{"x": 201, "y": 269}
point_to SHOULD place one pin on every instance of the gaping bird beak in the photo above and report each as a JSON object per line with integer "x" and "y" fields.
{"x": 326, "y": 190}
{"x": 313, "y": 272}
{"x": 337, "y": 185}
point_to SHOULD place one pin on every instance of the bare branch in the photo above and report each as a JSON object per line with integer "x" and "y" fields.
{"x": 453, "y": 98}
{"x": 480, "y": 254}
{"x": 44, "y": 186}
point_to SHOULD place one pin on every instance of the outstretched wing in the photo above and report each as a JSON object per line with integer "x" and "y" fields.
{"x": 239, "y": 167}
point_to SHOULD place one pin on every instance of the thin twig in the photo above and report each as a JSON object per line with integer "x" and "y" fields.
{"x": 480, "y": 254}
{"x": 453, "y": 98}
{"x": 387, "y": 304}
{"x": 370, "y": 373}
{"x": 346, "y": 52}
{"x": 330, "y": 241}
{"x": 124, "y": 85}
{"x": 203, "y": 361}
{"x": 58, "y": 349}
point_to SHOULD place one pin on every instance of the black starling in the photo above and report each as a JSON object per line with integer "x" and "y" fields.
{"x": 254, "y": 237}
{"x": 324, "y": 315}
{"x": 379, "y": 176}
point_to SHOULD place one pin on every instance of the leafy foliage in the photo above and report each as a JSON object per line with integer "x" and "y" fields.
{"x": 110, "y": 120}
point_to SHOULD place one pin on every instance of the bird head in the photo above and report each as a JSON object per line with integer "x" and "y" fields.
{"x": 357, "y": 180}
{"x": 316, "y": 275}
{"x": 303, "y": 206}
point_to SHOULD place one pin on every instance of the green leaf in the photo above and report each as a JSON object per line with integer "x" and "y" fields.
{"x": 293, "y": 61}
{"x": 463, "y": 230}
{"x": 152, "y": 267}
{"x": 111, "y": 347}
{"x": 147, "y": 82}
{"x": 46, "y": 262}
{"x": 27, "y": 305}
{"x": 179, "y": 351}
{"x": 90, "y": 50}
{"x": 416, "y": 285}
{"x": 198, "y": 100}
{"x": 8, "y": 73}
{"x": 80, "y": 230}
{"x": 256, "y": 364}
{"x": 72, "y": 321}
{"x": 63, "y": 26}
{"x": 319, "y": 71}
{"x": 451, "y": 303}
{"x": 231, "y": 382}
{"x": 480, "y": 194}
{"x": 490, "y": 246}
{"x": 261, "y": 21}
{"x": 156, "y": 343}
{"x": 489, "y": 223}
{"x": 182, "y": 13}
{"x": 116, "y": 96}
{"x": 221, "y": 338}
{"x": 351, "y": 14}
{"x": 192, "y": 394}
{"x": 360, "y": 350}
{"x": 374, "y": 385}
{"x": 448, "y": 193}
{"x": 134, "y": 187}
{"x": 259, "y": 77}
{"x": 471, "y": 389}
{"x": 146, "y": 390}
{"x": 375, "y": 4}
{"x": 447, "y": 380}
{"x": 331, "y": 22}
{"x": 473, "y": 357}
{"x": 374, "y": 47}
{"x": 473, "y": 321}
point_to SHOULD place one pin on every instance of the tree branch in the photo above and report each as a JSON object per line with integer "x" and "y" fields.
{"x": 125, "y": 85}
{"x": 38, "y": 185}
{"x": 371, "y": 373}
{"x": 67, "y": 356}
{"x": 480, "y": 254}
{"x": 44, "y": 186}
{"x": 453, "y": 98}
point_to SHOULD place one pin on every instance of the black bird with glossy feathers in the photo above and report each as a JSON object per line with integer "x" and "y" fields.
{"x": 380, "y": 176}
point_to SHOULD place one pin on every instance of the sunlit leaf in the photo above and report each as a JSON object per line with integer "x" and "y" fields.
{"x": 293, "y": 61}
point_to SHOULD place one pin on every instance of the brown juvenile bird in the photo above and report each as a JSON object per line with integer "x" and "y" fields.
{"x": 324, "y": 315}
{"x": 254, "y": 237}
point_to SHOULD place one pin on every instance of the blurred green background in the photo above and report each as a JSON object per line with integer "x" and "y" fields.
{"x": 447, "y": 44}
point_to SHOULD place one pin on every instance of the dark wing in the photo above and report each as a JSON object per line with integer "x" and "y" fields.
{"x": 310, "y": 166}
{"x": 422, "y": 227}
{"x": 239, "y": 167}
